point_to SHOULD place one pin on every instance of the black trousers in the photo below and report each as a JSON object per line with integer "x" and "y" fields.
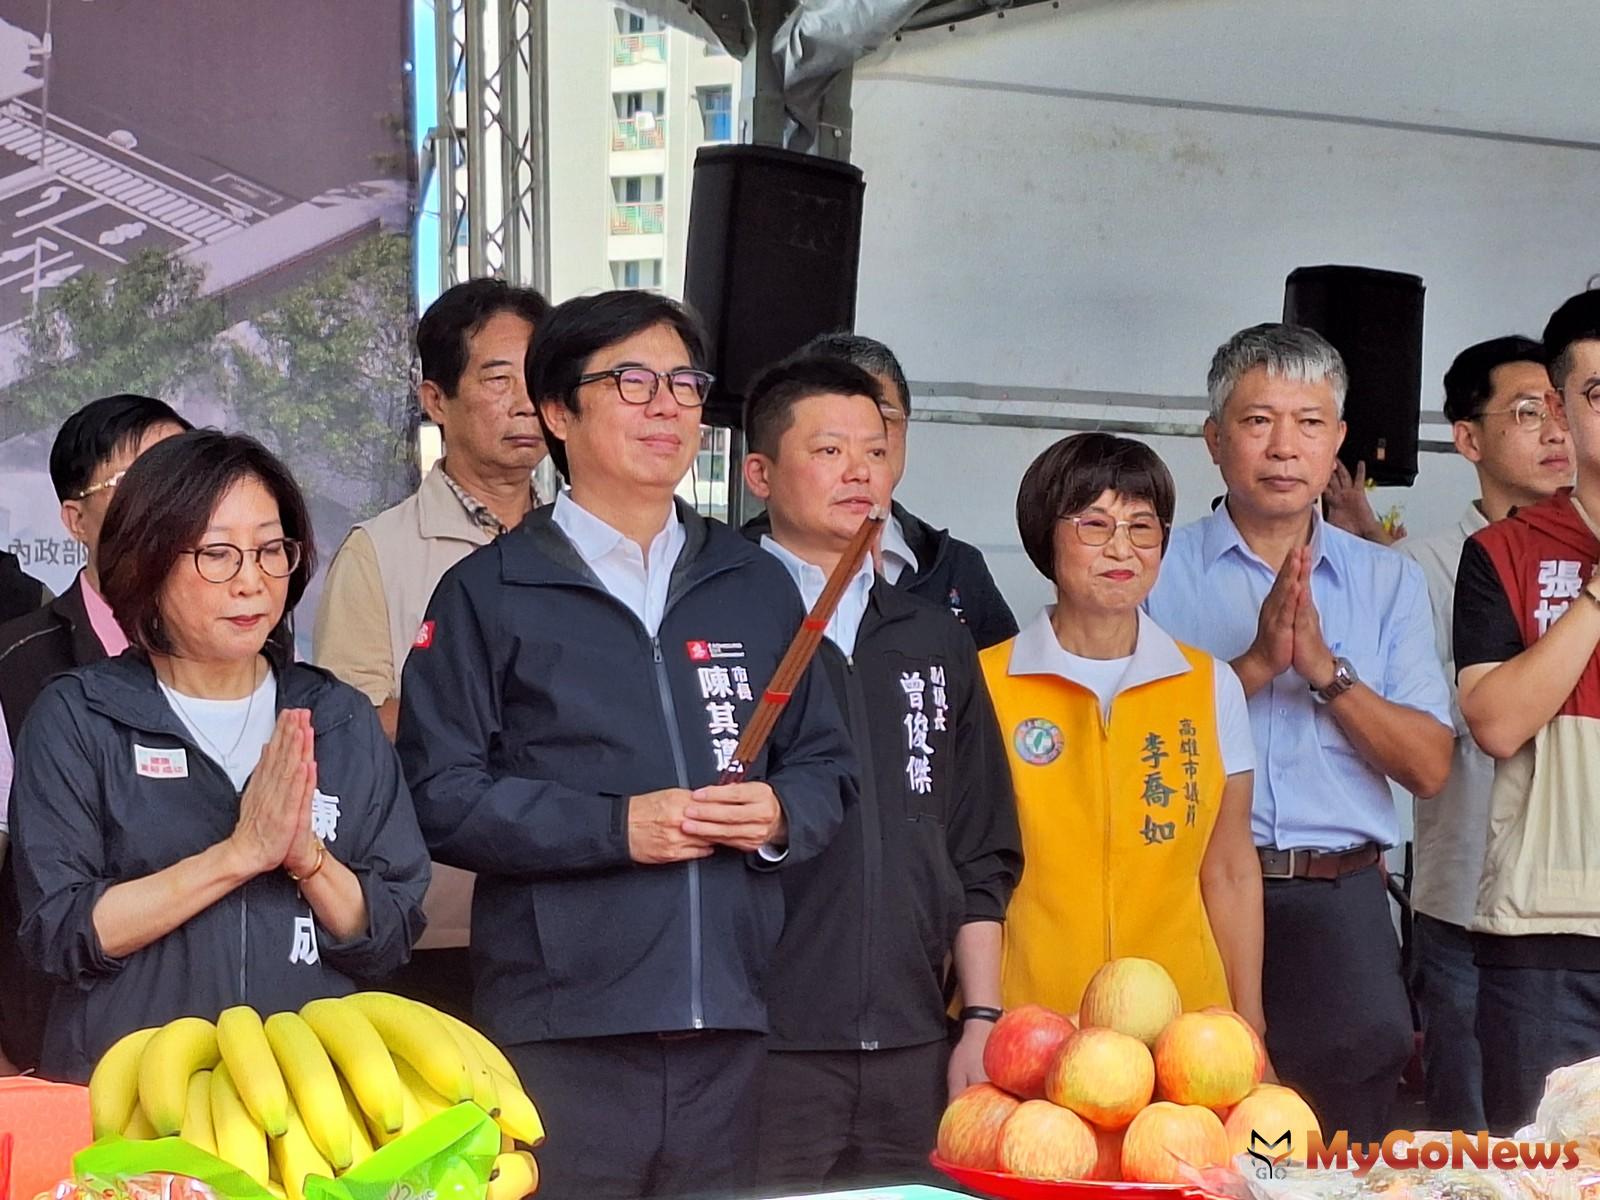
{"x": 645, "y": 1115}
{"x": 833, "y": 1120}
{"x": 441, "y": 978}
{"x": 1531, "y": 1020}
{"x": 1338, "y": 1019}
{"x": 1444, "y": 983}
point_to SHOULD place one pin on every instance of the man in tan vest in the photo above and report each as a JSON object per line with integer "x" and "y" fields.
{"x": 471, "y": 341}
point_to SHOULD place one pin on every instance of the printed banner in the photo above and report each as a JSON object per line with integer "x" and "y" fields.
{"x": 210, "y": 203}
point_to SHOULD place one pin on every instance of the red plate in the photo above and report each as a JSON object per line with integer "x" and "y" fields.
{"x": 1012, "y": 1187}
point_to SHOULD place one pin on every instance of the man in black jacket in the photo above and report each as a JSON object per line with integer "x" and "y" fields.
{"x": 860, "y": 1067}
{"x": 20, "y": 593}
{"x": 916, "y": 557}
{"x": 571, "y": 699}
{"x": 92, "y": 450}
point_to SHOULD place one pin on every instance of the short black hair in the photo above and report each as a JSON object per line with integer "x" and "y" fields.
{"x": 1070, "y": 476}
{"x": 161, "y": 509}
{"x": 458, "y": 314}
{"x": 1578, "y": 320}
{"x": 1468, "y": 383}
{"x": 867, "y": 353}
{"x": 769, "y": 409}
{"x": 575, "y": 331}
{"x": 99, "y": 430}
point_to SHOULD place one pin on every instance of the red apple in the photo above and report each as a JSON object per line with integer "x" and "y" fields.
{"x": 1255, "y": 1039}
{"x": 1103, "y": 1076}
{"x": 1041, "y": 1141}
{"x": 1134, "y": 996}
{"x": 1205, "y": 1058}
{"x": 1166, "y": 1137}
{"x": 1021, "y": 1047}
{"x": 1270, "y": 1110}
{"x": 969, "y": 1131}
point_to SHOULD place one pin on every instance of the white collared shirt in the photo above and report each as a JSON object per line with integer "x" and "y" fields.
{"x": 638, "y": 580}
{"x": 1037, "y": 651}
{"x": 898, "y": 557}
{"x": 845, "y": 623}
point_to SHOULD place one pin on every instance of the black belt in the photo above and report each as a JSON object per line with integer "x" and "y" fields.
{"x": 1316, "y": 864}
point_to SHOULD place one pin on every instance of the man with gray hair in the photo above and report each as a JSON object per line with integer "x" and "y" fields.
{"x": 914, "y": 556}
{"x": 1332, "y": 638}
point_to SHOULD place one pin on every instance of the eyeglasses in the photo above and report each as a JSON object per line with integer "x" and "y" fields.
{"x": 104, "y": 485}
{"x": 1591, "y": 394}
{"x": 1144, "y": 532}
{"x": 219, "y": 562}
{"x": 639, "y": 385}
{"x": 1527, "y": 412}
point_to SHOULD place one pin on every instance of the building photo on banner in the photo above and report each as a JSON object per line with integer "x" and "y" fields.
{"x": 230, "y": 233}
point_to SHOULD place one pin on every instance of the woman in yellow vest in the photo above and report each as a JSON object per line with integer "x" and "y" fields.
{"x": 1131, "y": 754}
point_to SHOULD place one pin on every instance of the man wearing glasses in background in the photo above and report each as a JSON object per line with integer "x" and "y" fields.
{"x": 1495, "y": 398}
{"x": 1527, "y": 622}
{"x": 93, "y": 449}
{"x": 576, "y": 690}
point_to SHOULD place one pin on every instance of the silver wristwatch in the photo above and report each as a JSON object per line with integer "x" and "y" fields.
{"x": 1344, "y": 678}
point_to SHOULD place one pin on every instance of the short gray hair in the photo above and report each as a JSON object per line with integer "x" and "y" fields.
{"x": 1287, "y": 351}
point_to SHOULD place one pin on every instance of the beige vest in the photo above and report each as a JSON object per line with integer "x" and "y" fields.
{"x": 417, "y": 541}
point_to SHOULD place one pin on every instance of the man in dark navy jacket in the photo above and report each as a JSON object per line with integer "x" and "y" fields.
{"x": 860, "y": 1067}
{"x": 573, "y": 695}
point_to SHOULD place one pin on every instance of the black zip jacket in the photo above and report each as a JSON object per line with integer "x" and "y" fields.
{"x": 950, "y": 573}
{"x": 33, "y": 649}
{"x": 20, "y": 592}
{"x": 98, "y": 800}
{"x": 534, "y": 704}
{"x": 871, "y": 922}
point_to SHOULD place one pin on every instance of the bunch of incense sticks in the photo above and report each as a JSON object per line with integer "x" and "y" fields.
{"x": 798, "y": 657}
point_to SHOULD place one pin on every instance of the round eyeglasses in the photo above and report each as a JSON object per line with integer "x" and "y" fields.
{"x": 1093, "y": 530}
{"x": 639, "y": 385}
{"x": 219, "y": 562}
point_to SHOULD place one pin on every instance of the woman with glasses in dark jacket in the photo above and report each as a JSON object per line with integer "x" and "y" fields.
{"x": 201, "y": 821}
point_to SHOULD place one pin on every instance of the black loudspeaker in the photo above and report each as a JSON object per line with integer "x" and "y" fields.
{"x": 1374, "y": 319}
{"x": 774, "y": 247}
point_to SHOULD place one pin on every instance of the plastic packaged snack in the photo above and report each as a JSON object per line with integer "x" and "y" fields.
{"x": 449, "y": 1157}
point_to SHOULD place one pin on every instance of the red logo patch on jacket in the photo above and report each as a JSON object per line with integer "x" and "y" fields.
{"x": 698, "y": 651}
{"x": 424, "y": 637}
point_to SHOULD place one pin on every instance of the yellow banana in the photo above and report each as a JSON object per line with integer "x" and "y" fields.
{"x": 515, "y": 1175}
{"x": 360, "y": 1140}
{"x": 414, "y": 1033}
{"x": 197, "y": 1128}
{"x": 139, "y": 1128}
{"x": 485, "y": 1092}
{"x": 415, "y": 1114}
{"x": 296, "y": 1152}
{"x": 178, "y": 1050}
{"x": 428, "y": 1100}
{"x": 243, "y": 1044}
{"x": 491, "y": 1053}
{"x": 313, "y": 1087}
{"x": 114, "y": 1086}
{"x": 517, "y": 1115}
{"x": 361, "y": 1056}
{"x": 239, "y": 1139}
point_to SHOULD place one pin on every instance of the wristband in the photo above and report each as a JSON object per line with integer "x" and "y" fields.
{"x": 322, "y": 853}
{"x": 979, "y": 1012}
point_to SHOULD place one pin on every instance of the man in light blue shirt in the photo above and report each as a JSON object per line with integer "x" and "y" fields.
{"x": 1332, "y": 639}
